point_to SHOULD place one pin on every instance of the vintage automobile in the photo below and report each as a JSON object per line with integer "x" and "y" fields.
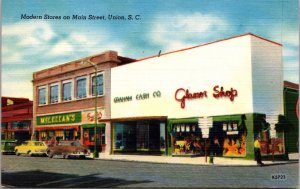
{"x": 31, "y": 148}
{"x": 69, "y": 149}
{"x": 8, "y": 146}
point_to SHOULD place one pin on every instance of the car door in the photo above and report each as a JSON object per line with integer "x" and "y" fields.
{"x": 23, "y": 147}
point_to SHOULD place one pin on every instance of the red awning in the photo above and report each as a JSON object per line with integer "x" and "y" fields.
{"x": 43, "y": 128}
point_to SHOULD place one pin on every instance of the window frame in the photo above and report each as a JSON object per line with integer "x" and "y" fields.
{"x": 46, "y": 95}
{"x": 91, "y": 84}
{"x": 71, "y": 90}
{"x": 86, "y": 87}
{"x": 58, "y": 92}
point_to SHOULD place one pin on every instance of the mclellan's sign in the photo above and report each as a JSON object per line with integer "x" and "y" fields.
{"x": 66, "y": 118}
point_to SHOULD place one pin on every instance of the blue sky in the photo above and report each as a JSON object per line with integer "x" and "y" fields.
{"x": 167, "y": 25}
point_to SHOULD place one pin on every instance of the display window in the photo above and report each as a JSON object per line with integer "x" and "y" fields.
{"x": 270, "y": 145}
{"x": 234, "y": 141}
{"x": 187, "y": 139}
{"x": 89, "y": 136}
{"x": 143, "y": 135}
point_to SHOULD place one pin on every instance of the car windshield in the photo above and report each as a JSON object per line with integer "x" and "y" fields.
{"x": 68, "y": 143}
{"x": 10, "y": 144}
{"x": 75, "y": 144}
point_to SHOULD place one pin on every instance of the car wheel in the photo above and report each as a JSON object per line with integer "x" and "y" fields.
{"x": 17, "y": 153}
{"x": 29, "y": 153}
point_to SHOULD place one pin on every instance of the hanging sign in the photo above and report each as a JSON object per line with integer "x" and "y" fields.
{"x": 89, "y": 116}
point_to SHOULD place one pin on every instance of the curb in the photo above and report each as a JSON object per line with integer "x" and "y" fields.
{"x": 199, "y": 164}
{"x": 220, "y": 164}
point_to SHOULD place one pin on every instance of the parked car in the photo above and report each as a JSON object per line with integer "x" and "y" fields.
{"x": 31, "y": 148}
{"x": 69, "y": 149}
{"x": 8, "y": 146}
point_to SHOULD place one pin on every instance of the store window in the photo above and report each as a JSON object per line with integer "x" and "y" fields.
{"x": 4, "y": 125}
{"x": 187, "y": 139}
{"x": 42, "y": 92}
{"x": 21, "y": 124}
{"x": 141, "y": 136}
{"x": 234, "y": 142}
{"x": 125, "y": 136}
{"x": 81, "y": 90}
{"x": 270, "y": 145}
{"x": 67, "y": 91}
{"x": 54, "y": 93}
{"x": 69, "y": 134}
{"x": 89, "y": 137}
{"x": 99, "y": 84}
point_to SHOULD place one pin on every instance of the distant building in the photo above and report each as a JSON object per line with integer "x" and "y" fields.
{"x": 291, "y": 112}
{"x": 16, "y": 123}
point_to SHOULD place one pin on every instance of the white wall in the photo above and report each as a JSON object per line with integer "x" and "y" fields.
{"x": 226, "y": 63}
{"x": 267, "y": 77}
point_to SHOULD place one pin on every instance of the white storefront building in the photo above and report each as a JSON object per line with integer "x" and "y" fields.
{"x": 233, "y": 83}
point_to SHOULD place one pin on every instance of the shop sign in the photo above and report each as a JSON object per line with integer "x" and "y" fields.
{"x": 89, "y": 116}
{"x": 140, "y": 96}
{"x": 181, "y": 94}
{"x": 66, "y": 118}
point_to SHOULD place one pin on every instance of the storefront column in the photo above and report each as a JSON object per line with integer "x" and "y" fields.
{"x": 108, "y": 135}
{"x": 250, "y": 120}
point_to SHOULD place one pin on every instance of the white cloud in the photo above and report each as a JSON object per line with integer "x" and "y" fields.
{"x": 61, "y": 48}
{"x": 184, "y": 30}
{"x": 291, "y": 66}
{"x": 284, "y": 34}
{"x": 290, "y": 52}
{"x": 29, "y": 33}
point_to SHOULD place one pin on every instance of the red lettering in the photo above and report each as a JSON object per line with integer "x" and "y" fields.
{"x": 231, "y": 94}
{"x": 187, "y": 95}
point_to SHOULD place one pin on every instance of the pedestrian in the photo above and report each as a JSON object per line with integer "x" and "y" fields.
{"x": 257, "y": 151}
{"x": 216, "y": 146}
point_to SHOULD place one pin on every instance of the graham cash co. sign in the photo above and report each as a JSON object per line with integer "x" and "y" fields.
{"x": 141, "y": 96}
{"x": 181, "y": 94}
{"x": 65, "y": 118}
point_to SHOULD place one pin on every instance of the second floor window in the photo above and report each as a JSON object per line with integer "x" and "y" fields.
{"x": 42, "y": 96}
{"x": 81, "y": 88}
{"x": 54, "y": 94}
{"x": 67, "y": 91}
{"x": 99, "y": 84}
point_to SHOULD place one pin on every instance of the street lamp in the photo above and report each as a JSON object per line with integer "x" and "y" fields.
{"x": 96, "y": 94}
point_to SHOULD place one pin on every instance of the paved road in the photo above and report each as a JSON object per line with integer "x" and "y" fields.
{"x": 43, "y": 172}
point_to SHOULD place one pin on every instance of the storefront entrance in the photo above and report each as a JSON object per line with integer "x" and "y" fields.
{"x": 144, "y": 136}
{"x": 89, "y": 137}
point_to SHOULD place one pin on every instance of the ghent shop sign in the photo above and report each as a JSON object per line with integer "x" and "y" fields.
{"x": 181, "y": 94}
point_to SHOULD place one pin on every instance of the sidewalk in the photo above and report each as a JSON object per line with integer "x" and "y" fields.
{"x": 188, "y": 160}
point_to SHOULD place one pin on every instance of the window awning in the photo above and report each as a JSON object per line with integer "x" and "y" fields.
{"x": 43, "y": 128}
{"x": 87, "y": 126}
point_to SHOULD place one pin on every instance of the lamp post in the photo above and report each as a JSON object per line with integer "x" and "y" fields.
{"x": 96, "y": 94}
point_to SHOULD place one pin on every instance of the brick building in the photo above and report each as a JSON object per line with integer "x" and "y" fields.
{"x": 16, "y": 123}
{"x": 64, "y": 100}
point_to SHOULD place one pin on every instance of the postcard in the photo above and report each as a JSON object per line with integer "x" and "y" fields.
{"x": 139, "y": 94}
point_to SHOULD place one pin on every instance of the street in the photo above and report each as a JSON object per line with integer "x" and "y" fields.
{"x": 43, "y": 172}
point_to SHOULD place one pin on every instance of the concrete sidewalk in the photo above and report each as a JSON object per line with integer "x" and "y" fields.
{"x": 188, "y": 160}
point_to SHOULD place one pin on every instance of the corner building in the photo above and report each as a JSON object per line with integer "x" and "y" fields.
{"x": 64, "y": 101}
{"x": 179, "y": 103}
{"x": 16, "y": 123}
